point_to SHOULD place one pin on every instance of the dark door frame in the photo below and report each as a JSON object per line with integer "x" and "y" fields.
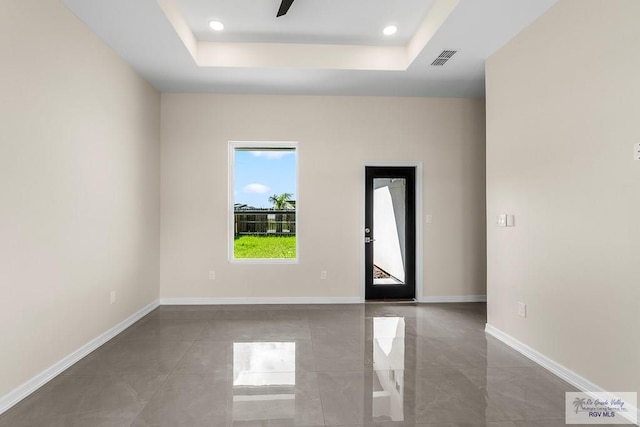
{"x": 418, "y": 224}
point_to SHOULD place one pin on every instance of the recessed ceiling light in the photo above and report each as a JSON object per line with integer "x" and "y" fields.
{"x": 216, "y": 25}
{"x": 390, "y": 30}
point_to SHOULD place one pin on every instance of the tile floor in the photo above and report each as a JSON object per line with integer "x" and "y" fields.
{"x": 348, "y": 365}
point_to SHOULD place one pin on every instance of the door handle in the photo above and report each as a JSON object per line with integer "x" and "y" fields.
{"x": 369, "y": 240}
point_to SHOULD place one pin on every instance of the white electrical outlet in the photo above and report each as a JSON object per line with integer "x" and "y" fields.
{"x": 522, "y": 309}
{"x": 112, "y": 297}
{"x": 323, "y": 274}
{"x": 429, "y": 219}
{"x": 212, "y": 275}
{"x": 636, "y": 151}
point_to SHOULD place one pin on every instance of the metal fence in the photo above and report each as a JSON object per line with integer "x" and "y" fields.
{"x": 265, "y": 222}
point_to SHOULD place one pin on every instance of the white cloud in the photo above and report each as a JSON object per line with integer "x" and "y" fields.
{"x": 256, "y": 189}
{"x": 272, "y": 154}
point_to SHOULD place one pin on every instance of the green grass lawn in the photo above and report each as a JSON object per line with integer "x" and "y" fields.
{"x": 261, "y": 247}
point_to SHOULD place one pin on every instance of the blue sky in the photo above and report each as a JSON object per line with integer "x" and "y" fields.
{"x": 260, "y": 174}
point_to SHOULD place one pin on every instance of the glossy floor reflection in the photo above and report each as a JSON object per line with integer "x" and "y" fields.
{"x": 348, "y": 365}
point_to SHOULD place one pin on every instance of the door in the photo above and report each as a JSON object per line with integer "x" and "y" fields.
{"x": 390, "y": 232}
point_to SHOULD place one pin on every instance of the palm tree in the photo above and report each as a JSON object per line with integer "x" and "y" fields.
{"x": 281, "y": 201}
{"x": 578, "y": 403}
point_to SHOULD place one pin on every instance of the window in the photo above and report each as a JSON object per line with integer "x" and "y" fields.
{"x": 263, "y": 194}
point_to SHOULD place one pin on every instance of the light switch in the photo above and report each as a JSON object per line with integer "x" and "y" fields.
{"x": 511, "y": 220}
{"x": 501, "y": 221}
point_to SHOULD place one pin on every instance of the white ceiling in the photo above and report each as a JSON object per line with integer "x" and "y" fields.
{"x": 309, "y": 21}
{"x": 321, "y": 47}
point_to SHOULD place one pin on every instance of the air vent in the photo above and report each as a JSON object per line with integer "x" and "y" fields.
{"x": 444, "y": 56}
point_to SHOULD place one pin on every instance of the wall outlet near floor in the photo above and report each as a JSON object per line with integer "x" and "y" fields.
{"x": 323, "y": 274}
{"x": 522, "y": 309}
{"x": 112, "y": 297}
{"x": 212, "y": 275}
{"x": 636, "y": 151}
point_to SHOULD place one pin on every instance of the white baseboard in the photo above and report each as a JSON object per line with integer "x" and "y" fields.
{"x": 23, "y": 391}
{"x": 260, "y": 300}
{"x": 454, "y": 298}
{"x": 550, "y": 365}
{"x": 307, "y": 300}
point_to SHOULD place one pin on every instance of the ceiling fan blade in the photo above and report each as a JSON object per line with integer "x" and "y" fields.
{"x": 284, "y": 7}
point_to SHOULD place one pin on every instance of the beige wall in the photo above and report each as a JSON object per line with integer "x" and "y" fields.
{"x": 79, "y": 188}
{"x": 336, "y": 135}
{"x": 563, "y": 109}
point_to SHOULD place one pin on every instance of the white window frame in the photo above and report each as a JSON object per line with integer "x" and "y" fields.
{"x": 260, "y": 145}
